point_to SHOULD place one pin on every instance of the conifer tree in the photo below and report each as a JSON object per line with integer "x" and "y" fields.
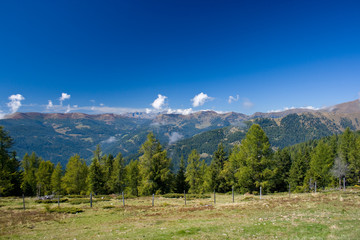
{"x": 74, "y": 180}
{"x": 108, "y": 172}
{"x": 298, "y": 169}
{"x": 133, "y": 178}
{"x": 231, "y": 167}
{"x": 180, "y": 180}
{"x": 215, "y": 180}
{"x": 30, "y": 164}
{"x": 195, "y": 173}
{"x": 154, "y": 167}
{"x": 96, "y": 175}
{"x": 9, "y": 167}
{"x": 255, "y": 161}
{"x": 56, "y": 179}
{"x": 321, "y": 162}
{"x": 282, "y": 161}
{"x": 43, "y": 177}
{"x": 354, "y": 163}
{"x": 118, "y": 176}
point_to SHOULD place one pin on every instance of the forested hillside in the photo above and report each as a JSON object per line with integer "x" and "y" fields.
{"x": 57, "y": 137}
{"x": 246, "y": 167}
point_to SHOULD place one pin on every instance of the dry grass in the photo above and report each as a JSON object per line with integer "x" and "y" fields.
{"x": 302, "y": 216}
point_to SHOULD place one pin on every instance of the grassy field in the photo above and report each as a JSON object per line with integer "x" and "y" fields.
{"x": 330, "y": 215}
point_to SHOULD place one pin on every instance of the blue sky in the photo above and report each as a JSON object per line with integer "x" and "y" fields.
{"x": 115, "y": 56}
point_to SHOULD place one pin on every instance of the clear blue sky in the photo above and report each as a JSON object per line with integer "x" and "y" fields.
{"x": 268, "y": 55}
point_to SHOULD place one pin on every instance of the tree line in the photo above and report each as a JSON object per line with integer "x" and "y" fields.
{"x": 247, "y": 167}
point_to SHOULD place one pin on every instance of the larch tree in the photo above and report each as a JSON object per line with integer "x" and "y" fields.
{"x": 30, "y": 165}
{"x": 154, "y": 167}
{"x": 56, "y": 179}
{"x": 255, "y": 161}
{"x": 74, "y": 180}
{"x": 43, "y": 177}
{"x": 133, "y": 178}
{"x": 118, "y": 177}
{"x": 195, "y": 173}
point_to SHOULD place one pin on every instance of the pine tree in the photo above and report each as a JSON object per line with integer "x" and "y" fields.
{"x": 108, "y": 172}
{"x": 180, "y": 180}
{"x": 320, "y": 164}
{"x": 96, "y": 177}
{"x": 56, "y": 179}
{"x": 74, "y": 180}
{"x": 282, "y": 161}
{"x": 354, "y": 163}
{"x": 118, "y": 174}
{"x": 298, "y": 169}
{"x": 154, "y": 167}
{"x": 133, "y": 178}
{"x": 30, "y": 164}
{"x": 215, "y": 180}
{"x": 43, "y": 177}
{"x": 9, "y": 167}
{"x": 255, "y": 161}
{"x": 195, "y": 173}
{"x": 231, "y": 167}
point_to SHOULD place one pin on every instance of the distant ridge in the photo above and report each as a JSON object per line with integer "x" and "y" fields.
{"x": 346, "y": 108}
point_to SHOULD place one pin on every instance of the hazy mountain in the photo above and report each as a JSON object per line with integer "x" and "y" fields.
{"x": 57, "y": 136}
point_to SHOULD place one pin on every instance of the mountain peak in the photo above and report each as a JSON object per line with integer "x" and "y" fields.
{"x": 347, "y": 107}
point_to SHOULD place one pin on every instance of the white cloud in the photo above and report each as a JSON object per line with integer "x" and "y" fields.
{"x": 247, "y": 103}
{"x": 115, "y": 110}
{"x": 159, "y": 102}
{"x": 64, "y": 96}
{"x": 174, "y": 137}
{"x": 68, "y": 109}
{"x": 200, "y": 99}
{"x": 110, "y": 140}
{"x": 233, "y": 99}
{"x": 2, "y": 114}
{"x": 15, "y": 102}
{"x": 291, "y": 108}
{"x": 50, "y": 105}
{"x": 180, "y": 111}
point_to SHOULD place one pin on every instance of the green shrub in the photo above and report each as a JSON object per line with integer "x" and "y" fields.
{"x": 108, "y": 207}
{"x": 77, "y": 196}
{"x": 70, "y": 210}
{"x": 188, "y": 196}
{"x": 51, "y": 200}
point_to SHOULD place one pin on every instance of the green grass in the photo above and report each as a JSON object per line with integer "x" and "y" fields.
{"x": 334, "y": 215}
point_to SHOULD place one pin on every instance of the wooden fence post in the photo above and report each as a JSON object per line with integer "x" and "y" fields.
{"x": 23, "y": 197}
{"x": 233, "y": 194}
{"x": 91, "y": 200}
{"x": 185, "y": 196}
{"x": 214, "y": 198}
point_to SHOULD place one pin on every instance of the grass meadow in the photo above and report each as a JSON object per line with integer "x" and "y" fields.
{"x": 325, "y": 215}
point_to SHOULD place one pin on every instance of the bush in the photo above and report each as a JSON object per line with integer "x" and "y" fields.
{"x": 51, "y": 200}
{"x": 188, "y": 196}
{"x": 108, "y": 207}
{"x": 77, "y": 196}
{"x": 69, "y": 210}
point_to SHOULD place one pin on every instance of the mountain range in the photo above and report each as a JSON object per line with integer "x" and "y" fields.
{"x": 58, "y": 136}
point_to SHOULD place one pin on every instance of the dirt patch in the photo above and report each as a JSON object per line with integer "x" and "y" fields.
{"x": 9, "y": 218}
{"x": 198, "y": 208}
